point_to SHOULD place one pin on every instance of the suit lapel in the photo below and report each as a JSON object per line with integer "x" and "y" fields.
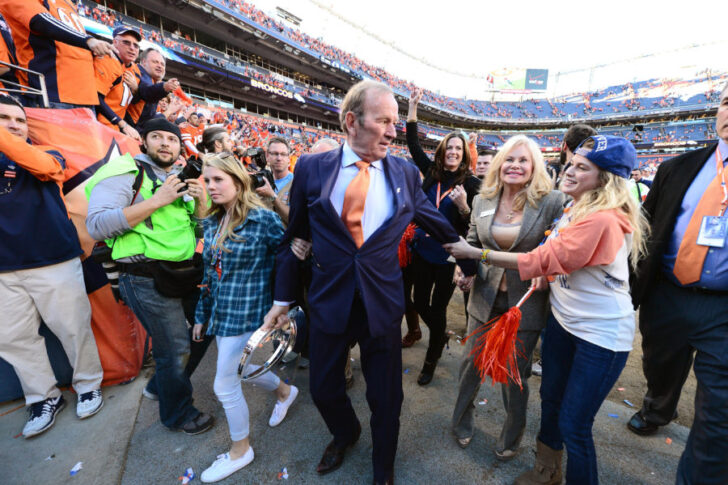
{"x": 328, "y": 173}
{"x": 485, "y": 219}
{"x": 530, "y": 215}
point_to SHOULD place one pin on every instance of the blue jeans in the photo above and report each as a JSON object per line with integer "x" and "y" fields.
{"x": 163, "y": 318}
{"x": 577, "y": 376}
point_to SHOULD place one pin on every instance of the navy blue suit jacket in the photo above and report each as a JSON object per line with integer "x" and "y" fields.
{"x": 339, "y": 268}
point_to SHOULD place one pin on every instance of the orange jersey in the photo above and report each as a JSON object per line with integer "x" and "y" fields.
{"x": 192, "y": 134}
{"x": 117, "y": 95}
{"x": 67, "y": 67}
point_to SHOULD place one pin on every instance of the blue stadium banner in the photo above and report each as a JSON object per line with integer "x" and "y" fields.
{"x": 537, "y": 79}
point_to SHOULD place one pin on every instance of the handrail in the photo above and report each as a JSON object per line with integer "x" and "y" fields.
{"x": 20, "y": 89}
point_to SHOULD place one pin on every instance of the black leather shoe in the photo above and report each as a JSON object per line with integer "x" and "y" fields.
{"x": 425, "y": 377}
{"x": 201, "y": 423}
{"x": 639, "y": 426}
{"x": 333, "y": 455}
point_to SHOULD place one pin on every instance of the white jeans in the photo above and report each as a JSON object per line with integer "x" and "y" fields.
{"x": 227, "y": 384}
{"x": 57, "y": 294}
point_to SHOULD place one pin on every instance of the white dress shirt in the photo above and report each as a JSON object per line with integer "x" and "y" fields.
{"x": 379, "y": 205}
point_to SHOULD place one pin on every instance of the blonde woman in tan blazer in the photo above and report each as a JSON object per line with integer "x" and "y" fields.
{"x": 512, "y": 212}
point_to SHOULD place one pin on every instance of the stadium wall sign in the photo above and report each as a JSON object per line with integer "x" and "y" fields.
{"x": 271, "y": 89}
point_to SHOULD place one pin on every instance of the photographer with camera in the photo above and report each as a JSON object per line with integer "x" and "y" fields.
{"x": 137, "y": 206}
{"x": 278, "y": 157}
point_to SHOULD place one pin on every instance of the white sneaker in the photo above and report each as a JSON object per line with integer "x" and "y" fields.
{"x": 281, "y": 408}
{"x": 89, "y": 403}
{"x": 223, "y": 467}
{"x": 150, "y": 395}
{"x": 42, "y": 415}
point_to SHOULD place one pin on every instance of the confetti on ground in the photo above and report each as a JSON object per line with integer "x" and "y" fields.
{"x": 406, "y": 371}
{"x": 283, "y": 474}
{"x": 483, "y": 402}
{"x": 613, "y": 415}
{"x": 188, "y": 476}
{"x": 49, "y": 458}
{"x": 18, "y": 435}
{"x": 78, "y": 466}
{"x": 628, "y": 403}
{"x": 668, "y": 441}
{"x": 620, "y": 389}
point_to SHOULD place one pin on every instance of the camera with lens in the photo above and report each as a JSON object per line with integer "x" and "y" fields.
{"x": 257, "y": 157}
{"x": 192, "y": 170}
{"x": 259, "y": 172}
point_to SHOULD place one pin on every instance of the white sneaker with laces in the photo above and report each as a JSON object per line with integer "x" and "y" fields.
{"x": 281, "y": 408}
{"x": 42, "y": 415}
{"x": 223, "y": 467}
{"x": 89, "y": 403}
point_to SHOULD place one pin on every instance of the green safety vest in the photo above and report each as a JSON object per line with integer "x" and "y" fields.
{"x": 167, "y": 235}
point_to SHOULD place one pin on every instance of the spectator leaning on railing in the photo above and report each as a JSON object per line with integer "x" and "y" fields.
{"x": 41, "y": 276}
{"x": 50, "y": 39}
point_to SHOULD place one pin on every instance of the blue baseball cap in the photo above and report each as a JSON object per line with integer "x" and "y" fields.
{"x": 611, "y": 153}
{"x": 123, "y": 30}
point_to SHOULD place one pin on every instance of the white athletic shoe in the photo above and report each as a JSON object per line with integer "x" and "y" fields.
{"x": 223, "y": 467}
{"x": 42, "y": 415}
{"x": 89, "y": 403}
{"x": 281, "y": 408}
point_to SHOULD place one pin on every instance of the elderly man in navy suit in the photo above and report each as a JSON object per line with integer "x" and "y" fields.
{"x": 354, "y": 203}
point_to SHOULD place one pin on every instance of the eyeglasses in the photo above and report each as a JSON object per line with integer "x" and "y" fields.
{"x": 129, "y": 43}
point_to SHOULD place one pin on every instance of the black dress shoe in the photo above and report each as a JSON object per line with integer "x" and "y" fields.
{"x": 333, "y": 455}
{"x": 640, "y": 426}
{"x": 428, "y": 370}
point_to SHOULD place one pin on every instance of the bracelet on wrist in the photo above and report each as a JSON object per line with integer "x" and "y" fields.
{"x": 484, "y": 256}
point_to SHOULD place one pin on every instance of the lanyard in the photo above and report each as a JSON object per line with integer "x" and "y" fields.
{"x": 439, "y": 199}
{"x": 721, "y": 173}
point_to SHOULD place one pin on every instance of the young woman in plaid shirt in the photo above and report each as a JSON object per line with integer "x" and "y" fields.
{"x": 241, "y": 238}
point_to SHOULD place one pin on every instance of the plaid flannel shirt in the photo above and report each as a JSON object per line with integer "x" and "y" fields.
{"x": 236, "y": 302}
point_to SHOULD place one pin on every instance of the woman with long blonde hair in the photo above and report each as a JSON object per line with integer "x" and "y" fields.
{"x": 515, "y": 207}
{"x": 589, "y": 333}
{"x": 241, "y": 238}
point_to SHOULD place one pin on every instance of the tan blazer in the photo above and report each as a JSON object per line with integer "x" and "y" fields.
{"x": 536, "y": 220}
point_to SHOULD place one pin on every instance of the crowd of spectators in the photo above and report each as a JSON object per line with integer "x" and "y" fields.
{"x": 648, "y": 96}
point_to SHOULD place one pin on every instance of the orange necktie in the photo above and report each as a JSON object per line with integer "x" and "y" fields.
{"x": 354, "y": 199}
{"x": 691, "y": 255}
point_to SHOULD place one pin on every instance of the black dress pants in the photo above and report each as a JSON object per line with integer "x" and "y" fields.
{"x": 677, "y": 322}
{"x": 433, "y": 290}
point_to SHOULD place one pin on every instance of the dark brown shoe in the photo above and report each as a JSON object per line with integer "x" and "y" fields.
{"x": 410, "y": 339}
{"x": 333, "y": 455}
{"x": 201, "y": 423}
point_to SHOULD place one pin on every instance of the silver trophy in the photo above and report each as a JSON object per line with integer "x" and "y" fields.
{"x": 266, "y": 348}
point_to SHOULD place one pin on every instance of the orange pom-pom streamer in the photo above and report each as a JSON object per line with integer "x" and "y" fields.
{"x": 182, "y": 96}
{"x": 495, "y": 350}
{"x": 403, "y": 251}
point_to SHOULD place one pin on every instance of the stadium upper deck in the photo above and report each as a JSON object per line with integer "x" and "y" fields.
{"x": 652, "y": 97}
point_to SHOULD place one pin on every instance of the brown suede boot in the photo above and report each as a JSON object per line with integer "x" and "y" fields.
{"x": 546, "y": 471}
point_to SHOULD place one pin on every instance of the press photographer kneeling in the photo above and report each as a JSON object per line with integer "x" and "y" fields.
{"x": 139, "y": 208}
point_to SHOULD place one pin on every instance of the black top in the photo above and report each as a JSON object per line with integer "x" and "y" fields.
{"x": 471, "y": 184}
